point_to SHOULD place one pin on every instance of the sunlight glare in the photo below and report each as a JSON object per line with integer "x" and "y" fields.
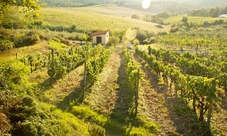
{"x": 146, "y": 4}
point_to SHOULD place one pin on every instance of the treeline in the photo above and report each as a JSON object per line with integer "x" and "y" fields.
{"x": 160, "y": 17}
{"x": 72, "y": 3}
{"x": 210, "y": 12}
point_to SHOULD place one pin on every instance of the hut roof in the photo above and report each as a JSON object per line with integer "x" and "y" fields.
{"x": 99, "y": 33}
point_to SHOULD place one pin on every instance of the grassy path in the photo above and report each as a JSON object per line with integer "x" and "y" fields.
{"x": 64, "y": 91}
{"x": 110, "y": 95}
{"x": 102, "y": 95}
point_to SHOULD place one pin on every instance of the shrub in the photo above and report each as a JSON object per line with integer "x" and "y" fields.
{"x": 135, "y": 16}
{"x": 136, "y": 132}
{"x": 88, "y": 114}
{"x": 174, "y": 29}
{"x": 164, "y": 15}
{"x": 96, "y": 130}
{"x": 136, "y": 42}
{"x": 159, "y": 26}
{"x": 4, "y": 123}
{"x": 162, "y": 33}
{"x": 30, "y": 38}
{"x": 16, "y": 77}
{"x": 6, "y": 45}
{"x": 206, "y": 23}
{"x": 35, "y": 126}
{"x": 114, "y": 40}
{"x": 141, "y": 35}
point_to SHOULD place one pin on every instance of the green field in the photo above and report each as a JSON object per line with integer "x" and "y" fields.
{"x": 193, "y": 19}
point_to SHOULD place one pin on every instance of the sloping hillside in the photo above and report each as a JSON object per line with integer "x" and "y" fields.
{"x": 161, "y": 6}
{"x": 107, "y": 16}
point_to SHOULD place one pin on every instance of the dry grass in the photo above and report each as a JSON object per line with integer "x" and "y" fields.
{"x": 40, "y": 47}
{"x": 4, "y": 123}
{"x": 99, "y": 17}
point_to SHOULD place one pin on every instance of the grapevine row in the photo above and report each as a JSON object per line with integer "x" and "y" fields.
{"x": 61, "y": 61}
{"x": 95, "y": 65}
{"x": 189, "y": 64}
{"x": 201, "y": 90}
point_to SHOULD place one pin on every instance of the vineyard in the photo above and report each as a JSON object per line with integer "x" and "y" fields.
{"x": 167, "y": 79}
{"x": 116, "y": 91}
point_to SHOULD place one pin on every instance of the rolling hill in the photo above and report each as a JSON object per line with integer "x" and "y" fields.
{"x": 75, "y": 3}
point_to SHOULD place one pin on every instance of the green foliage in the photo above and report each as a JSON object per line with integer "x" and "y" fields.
{"x": 64, "y": 61}
{"x": 15, "y": 77}
{"x": 95, "y": 65}
{"x": 95, "y": 130}
{"x": 6, "y": 45}
{"x": 131, "y": 69}
{"x": 89, "y": 115}
{"x": 136, "y": 42}
{"x": 56, "y": 44}
{"x": 28, "y": 7}
{"x": 204, "y": 37}
{"x": 114, "y": 40}
{"x": 141, "y": 35}
{"x": 164, "y": 15}
{"x": 184, "y": 19}
{"x": 211, "y": 12}
{"x": 59, "y": 70}
{"x": 11, "y": 39}
{"x": 155, "y": 18}
{"x": 49, "y": 121}
{"x": 137, "y": 131}
{"x": 162, "y": 33}
{"x": 201, "y": 88}
{"x": 84, "y": 37}
{"x": 30, "y": 38}
{"x": 174, "y": 29}
{"x": 30, "y": 118}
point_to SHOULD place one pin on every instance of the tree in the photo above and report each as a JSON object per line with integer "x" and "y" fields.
{"x": 141, "y": 35}
{"x": 28, "y": 6}
{"x": 216, "y": 12}
{"x": 164, "y": 15}
{"x": 135, "y": 16}
{"x": 184, "y": 19}
{"x": 224, "y": 10}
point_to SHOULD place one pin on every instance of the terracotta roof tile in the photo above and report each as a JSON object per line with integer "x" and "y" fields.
{"x": 99, "y": 33}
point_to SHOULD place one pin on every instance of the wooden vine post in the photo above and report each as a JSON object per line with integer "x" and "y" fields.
{"x": 209, "y": 113}
{"x": 212, "y": 93}
{"x": 137, "y": 92}
{"x": 52, "y": 67}
{"x": 85, "y": 78}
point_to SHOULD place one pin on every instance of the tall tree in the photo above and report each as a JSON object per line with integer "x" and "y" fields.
{"x": 30, "y": 7}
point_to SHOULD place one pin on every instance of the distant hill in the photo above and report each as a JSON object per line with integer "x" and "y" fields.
{"x": 197, "y": 3}
{"x": 192, "y": 3}
{"x": 161, "y": 6}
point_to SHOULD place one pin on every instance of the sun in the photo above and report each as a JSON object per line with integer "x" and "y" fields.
{"x": 146, "y": 4}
